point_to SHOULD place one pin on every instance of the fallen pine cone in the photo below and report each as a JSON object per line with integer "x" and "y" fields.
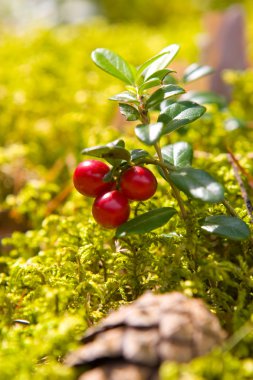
{"x": 131, "y": 343}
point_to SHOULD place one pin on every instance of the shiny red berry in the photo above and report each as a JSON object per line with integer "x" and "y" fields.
{"x": 111, "y": 209}
{"x": 88, "y": 178}
{"x": 138, "y": 183}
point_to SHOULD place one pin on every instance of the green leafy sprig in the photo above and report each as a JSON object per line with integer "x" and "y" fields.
{"x": 157, "y": 101}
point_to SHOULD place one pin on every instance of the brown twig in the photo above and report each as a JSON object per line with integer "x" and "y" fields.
{"x": 56, "y": 202}
{"x": 234, "y": 163}
{"x": 241, "y": 168}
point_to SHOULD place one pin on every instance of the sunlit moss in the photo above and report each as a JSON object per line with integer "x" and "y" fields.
{"x": 65, "y": 273}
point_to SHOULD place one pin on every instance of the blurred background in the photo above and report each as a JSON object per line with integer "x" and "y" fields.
{"x": 24, "y": 13}
{"x": 54, "y": 101}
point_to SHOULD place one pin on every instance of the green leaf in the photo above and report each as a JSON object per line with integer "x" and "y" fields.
{"x": 156, "y": 98}
{"x": 179, "y": 154}
{"x": 205, "y": 97}
{"x": 126, "y": 97}
{"x": 112, "y": 151}
{"x": 198, "y": 184}
{"x": 137, "y": 154}
{"x": 163, "y": 93}
{"x": 161, "y": 74}
{"x": 146, "y": 222}
{"x": 118, "y": 142}
{"x": 162, "y": 61}
{"x": 166, "y": 104}
{"x": 114, "y": 65}
{"x": 226, "y": 226}
{"x": 196, "y": 71}
{"x": 149, "y": 84}
{"x": 171, "y": 90}
{"x": 177, "y": 114}
{"x": 148, "y": 63}
{"x": 149, "y": 134}
{"x": 130, "y": 112}
{"x": 106, "y": 152}
{"x": 169, "y": 79}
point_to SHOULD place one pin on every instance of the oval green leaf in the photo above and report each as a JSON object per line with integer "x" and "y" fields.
{"x": 138, "y": 154}
{"x": 149, "y": 134}
{"x": 125, "y": 96}
{"x": 198, "y": 184}
{"x": 169, "y": 79}
{"x": 205, "y": 97}
{"x": 162, "y": 93}
{"x": 149, "y": 84}
{"x": 161, "y": 74}
{"x": 146, "y": 222}
{"x": 172, "y": 90}
{"x": 114, "y": 65}
{"x": 155, "y": 98}
{"x": 226, "y": 226}
{"x": 148, "y": 63}
{"x": 130, "y": 112}
{"x": 111, "y": 151}
{"x": 196, "y": 71}
{"x": 167, "y": 55}
{"x": 106, "y": 152}
{"x": 177, "y": 114}
{"x": 179, "y": 154}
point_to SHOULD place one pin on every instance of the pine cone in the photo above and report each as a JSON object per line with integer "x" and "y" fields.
{"x": 131, "y": 343}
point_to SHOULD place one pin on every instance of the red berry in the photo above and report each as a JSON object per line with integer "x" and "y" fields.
{"x": 138, "y": 183}
{"x": 111, "y": 209}
{"x": 88, "y": 178}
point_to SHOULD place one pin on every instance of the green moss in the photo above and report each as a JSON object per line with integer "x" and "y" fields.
{"x": 65, "y": 273}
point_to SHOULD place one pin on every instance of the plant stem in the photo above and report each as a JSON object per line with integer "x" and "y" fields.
{"x": 237, "y": 337}
{"x": 143, "y": 111}
{"x": 165, "y": 168}
{"x": 152, "y": 161}
{"x": 176, "y": 192}
{"x": 229, "y": 208}
{"x": 236, "y": 166}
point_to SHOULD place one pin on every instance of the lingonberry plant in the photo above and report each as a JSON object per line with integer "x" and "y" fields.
{"x": 157, "y": 101}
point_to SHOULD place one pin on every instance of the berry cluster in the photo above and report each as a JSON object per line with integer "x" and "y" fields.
{"x": 111, "y": 205}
